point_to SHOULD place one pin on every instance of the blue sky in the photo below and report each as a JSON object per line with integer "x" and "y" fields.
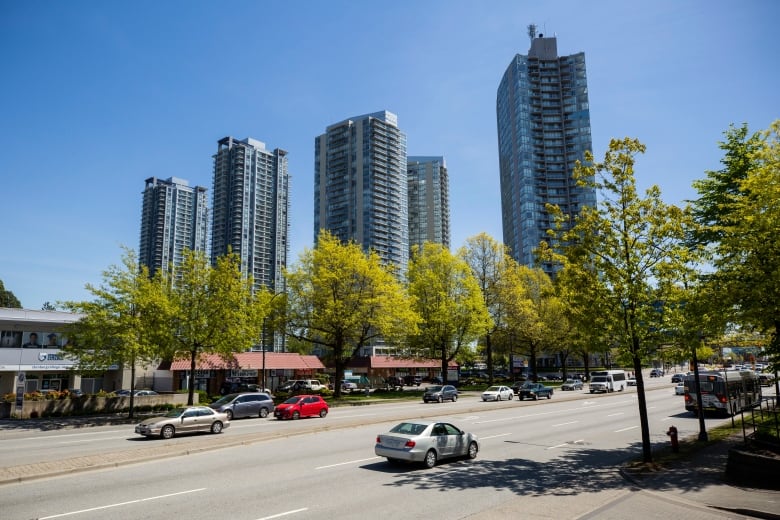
{"x": 97, "y": 96}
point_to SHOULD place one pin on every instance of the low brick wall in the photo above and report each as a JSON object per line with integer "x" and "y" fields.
{"x": 88, "y": 405}
{"x": 753, "y": 469}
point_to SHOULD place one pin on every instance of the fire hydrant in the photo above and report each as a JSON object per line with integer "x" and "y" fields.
{"x": 672, "y": 433}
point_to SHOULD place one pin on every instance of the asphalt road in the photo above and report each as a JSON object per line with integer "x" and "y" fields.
{"x": 552, "y": 458}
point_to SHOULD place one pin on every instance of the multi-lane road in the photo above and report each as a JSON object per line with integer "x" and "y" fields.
{"x": 557, "y": 457}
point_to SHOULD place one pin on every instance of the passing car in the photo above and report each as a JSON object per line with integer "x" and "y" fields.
{"x": 679, "y": 389}
{"x": 631, "y": 381}
{"x": 142, "y": 393}
{"x": 426, "y": 442}
{"x": 245, "y": 404}
{"x": 535, "y": 391}
{"x": 178, "y": 421}
{"x": 439, "y": 393}
{"x": 678, "y": 378}
{"x": 572, "y": 384}
{"x": 122, "y": 393}
{"x": 302, "y": 406}
{"x": 394, "y": 383}
{"x": 656, "y": 372}
{"x": 498, "y": 393}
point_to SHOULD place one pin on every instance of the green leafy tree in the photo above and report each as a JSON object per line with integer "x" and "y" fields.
{"x": 534, "y": 314}
{"x": 48, "y": 306}
{"x": 124, "y": 324}
{"x": 343, "y": 299}
{"x": 635, "y": 244}
{"x": 488, "y": 259}
{"x": 214, "y": 311}
{"x": 447, "y": 297}
{"x": 746, "y": 255}
{"x": 7, "y": 298}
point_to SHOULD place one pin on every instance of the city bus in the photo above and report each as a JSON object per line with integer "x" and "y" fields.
{"x": 728, "y": 392}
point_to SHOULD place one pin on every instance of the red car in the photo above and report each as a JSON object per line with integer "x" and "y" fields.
{"x": 302, "y": 406}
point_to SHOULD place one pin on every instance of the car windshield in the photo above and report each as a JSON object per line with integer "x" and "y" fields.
{"x": 434, "y": 389}
{"x": 292, "y": 400}
{"x": 225, "y": 399}
{"x": 176, "y": 412}
{"x": 599, "y": 379}
{"x": 409, "y": 428}
{"x": 492, "y": 389}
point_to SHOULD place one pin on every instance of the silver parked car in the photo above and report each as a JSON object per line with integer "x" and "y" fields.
{"x": 184, "y": 420}
{"x": 572, "y": 384}
{"x": 426, "y": 442}
{"x": 498, "y": 393}
{"x": 245, "y": 404}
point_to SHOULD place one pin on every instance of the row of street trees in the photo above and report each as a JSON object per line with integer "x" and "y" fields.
{"x": 635, "y": 274}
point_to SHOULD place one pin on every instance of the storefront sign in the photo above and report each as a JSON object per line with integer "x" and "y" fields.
{"x": 243, "y": 373}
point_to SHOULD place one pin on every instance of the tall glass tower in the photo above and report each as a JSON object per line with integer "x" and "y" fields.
{"x": 250, "y": 209}
{"x": 429, "y": 201}
{"x": 543, "y": 128}
{"x": 360, "y": 187}
{"x": 174, "y": 217}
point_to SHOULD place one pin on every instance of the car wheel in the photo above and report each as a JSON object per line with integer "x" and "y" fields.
{"x": 263, "y": 413}
{"x": 473, "y": 449}
{"x": 216, "y": 427}
{"x": 498, "y": 397}
{"x": 430, "y": 459}
{"x": 167, "y": 431}
{"x": 454, "y": 398}
{"x": 229, "y": 414}
{"x": 549, "y": 396}
{"x": 439, "y": 399}
{"x": 323, "y": 413}
{"x": 536, "y": 397}
{"x": 296, "y": 415}
{"x": 511, "y": 396}
{"x": 484, "y": 400}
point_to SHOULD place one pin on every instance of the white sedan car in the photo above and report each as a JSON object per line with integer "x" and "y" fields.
{"x": 679, "y": 389}
{"x": 498, "y": 393}
{"x": 426, "y": 442}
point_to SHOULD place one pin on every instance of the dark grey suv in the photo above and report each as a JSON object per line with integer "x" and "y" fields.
{"x": 246, "y": 404}
{"x": 440, "y": 393}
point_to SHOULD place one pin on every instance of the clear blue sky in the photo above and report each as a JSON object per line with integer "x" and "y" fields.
{"x": 97, "y": 96}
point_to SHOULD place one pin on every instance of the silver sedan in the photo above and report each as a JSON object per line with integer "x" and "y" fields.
{"x": 184, "y": 420}
{"x": 426, "y": 442}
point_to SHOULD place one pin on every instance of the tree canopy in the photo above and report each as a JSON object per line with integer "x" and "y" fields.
{"x": 447, "y": 297}
{"x": 343, "y": 299}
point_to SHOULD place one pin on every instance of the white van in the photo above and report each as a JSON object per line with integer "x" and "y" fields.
{"x": 607, "y": 381}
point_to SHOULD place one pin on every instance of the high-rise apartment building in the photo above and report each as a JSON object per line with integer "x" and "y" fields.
{"x": 543, "y": 128}
{"x": 429, "y": 201}
{"x": 360, "y": 187}
{"x": 250, "y": 209}
{"x": 174, "y": 217}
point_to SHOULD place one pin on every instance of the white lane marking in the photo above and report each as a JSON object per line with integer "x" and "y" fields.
{"x": 344, "y": 464}
{"x": 564, "y": 423}
{"x": 285, "y": 513}
{"x": 578, "y": 441}
{"x": 616, "y": 414}
{"x": 626, "y": 429}
{"x": 122, "y": 504}
{"x": 667, "y": 419}
{"x": 494, "y": 436}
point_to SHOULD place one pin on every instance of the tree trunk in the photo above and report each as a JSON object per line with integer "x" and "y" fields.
{"x": 489, "y": 356}
{"x": 132, "y": 389}
{"x": 191, "y": 385}
{"x": 647, "y": 452}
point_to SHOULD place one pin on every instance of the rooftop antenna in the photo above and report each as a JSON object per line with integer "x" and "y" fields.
{"x": 532, "y": 31}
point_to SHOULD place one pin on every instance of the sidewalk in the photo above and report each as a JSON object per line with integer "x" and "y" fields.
{"x": 701, "y": 478}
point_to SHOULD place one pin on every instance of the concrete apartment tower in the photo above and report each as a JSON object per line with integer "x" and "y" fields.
{"x": 174, "y": 217}
{"x": 429, "y": 200}
{"x": 543, "y": 128}
{"x": 360, "y": 186}
{"x": 250, "y": 209}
